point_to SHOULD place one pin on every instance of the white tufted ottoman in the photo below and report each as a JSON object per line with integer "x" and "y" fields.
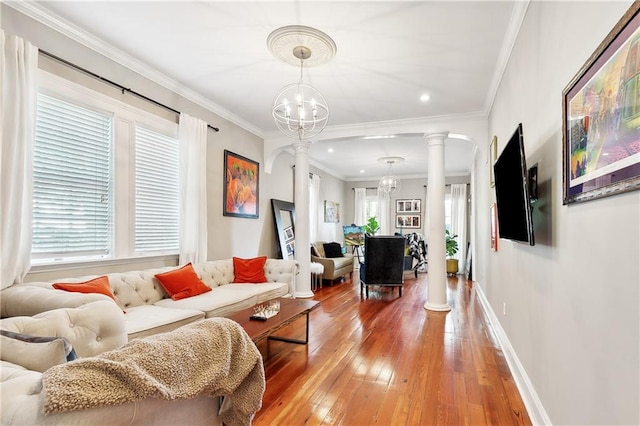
{"x": 316, "y": 275}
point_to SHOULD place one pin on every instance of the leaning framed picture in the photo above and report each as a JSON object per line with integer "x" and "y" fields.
{"x": 408, "y": 221}
{"x": 241, "y": 186}
{"x": 601, "y": 118}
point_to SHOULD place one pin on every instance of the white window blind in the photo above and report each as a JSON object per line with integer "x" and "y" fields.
{"x": 72, "y": 181}
{"x": 157, "y": 189}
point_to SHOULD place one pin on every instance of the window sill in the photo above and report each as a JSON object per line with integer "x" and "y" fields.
{"x": 83, "y": 264}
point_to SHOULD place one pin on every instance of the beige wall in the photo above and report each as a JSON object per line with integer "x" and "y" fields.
{"x": 331, "y": 189}
{"x": 227, "y": 236}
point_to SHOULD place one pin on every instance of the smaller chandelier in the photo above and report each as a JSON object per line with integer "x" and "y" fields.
{"x": 389, "y": 184}
{"x": 299, "y": 110}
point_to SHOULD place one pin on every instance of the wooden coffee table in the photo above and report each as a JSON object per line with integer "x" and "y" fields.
{"x": 290, "y": 310}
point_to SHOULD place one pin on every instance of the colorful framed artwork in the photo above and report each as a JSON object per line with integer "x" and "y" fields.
{"x": 331, "y": 212}
{"x": 601, "y": 118}
{"x": 353, "y": 235}
{"x": 241, "y": 186}
{"x": 408, "y": 206}
{"x": 408, "y": 221}
{"x": 494, "y": 228}
{"x": 493, "y": 156}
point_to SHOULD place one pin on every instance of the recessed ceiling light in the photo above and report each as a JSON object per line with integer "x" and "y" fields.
{"x": 425, "y": 97}
{"x": 361, "y": 171}
{"x": 330, "y": 150}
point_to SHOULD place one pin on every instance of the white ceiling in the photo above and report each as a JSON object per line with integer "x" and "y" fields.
{"x": 388, "y": 54}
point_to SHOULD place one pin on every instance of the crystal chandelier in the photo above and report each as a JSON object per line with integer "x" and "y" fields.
{"x": 299, "y": 110}
{"x": 389, "y": 184}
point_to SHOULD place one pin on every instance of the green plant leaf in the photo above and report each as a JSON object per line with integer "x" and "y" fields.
{"x": 372, "y": 226}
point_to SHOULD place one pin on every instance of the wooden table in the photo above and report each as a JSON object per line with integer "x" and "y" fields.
{"x": 290, "y": 310}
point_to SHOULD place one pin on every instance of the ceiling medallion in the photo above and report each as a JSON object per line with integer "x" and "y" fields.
{"x": 283, "y": 41}
{"x": 299, "y": 110}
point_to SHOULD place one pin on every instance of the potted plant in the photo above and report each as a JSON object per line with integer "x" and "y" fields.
{"x": 452, "y": 249}
{"x": 372, "y": 226}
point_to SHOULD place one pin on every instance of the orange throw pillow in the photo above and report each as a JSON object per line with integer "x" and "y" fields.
{"x": 96, "y": 285}
{"x": 182, "y": 283}
{"x": 249, "y": 270}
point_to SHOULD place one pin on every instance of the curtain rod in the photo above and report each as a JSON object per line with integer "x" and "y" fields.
{"x": 368, "y": 187}
{"x": 113, "y": 83}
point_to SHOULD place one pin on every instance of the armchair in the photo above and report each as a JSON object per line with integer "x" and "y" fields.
{"x": 383, "y": 262}
{"x": 334, "y": 267}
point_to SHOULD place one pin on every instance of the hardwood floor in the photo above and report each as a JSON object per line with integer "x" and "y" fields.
{"x": 388, "y": 361}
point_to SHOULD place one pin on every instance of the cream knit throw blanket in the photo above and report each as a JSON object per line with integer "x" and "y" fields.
{"x": 212, "y": 357}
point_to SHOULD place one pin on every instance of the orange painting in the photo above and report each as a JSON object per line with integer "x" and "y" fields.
{"x": 241, "y": 186}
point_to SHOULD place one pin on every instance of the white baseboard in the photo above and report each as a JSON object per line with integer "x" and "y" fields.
{"x": 534, "y": 407}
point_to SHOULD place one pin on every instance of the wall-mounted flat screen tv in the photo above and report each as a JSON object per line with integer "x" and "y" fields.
{"x": 512, "y": 194}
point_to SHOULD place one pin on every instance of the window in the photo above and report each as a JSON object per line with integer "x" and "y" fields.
{"x": 106, "y": 177}
{"x": 71, "y": 181}
{"x": 371, "y": 208}
{"x": 157, "y": 192}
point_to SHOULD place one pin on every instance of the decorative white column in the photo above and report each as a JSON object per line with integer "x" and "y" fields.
{"x": 436, "y": 267}
{"x": 301, "y": 198}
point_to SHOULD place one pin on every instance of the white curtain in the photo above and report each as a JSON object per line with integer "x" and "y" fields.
{"x": 360, "y": 206}
{"x": 383, "y": 213}
{"x": 459, "y": 221}
{"x": 18, "y": 79}
{"x": 314, "y": 207}
{"x": 193, "y": 189}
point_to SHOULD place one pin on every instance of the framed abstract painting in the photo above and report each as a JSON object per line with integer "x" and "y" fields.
{"x": 601, "y": 117}
{"x": 241, "y": 186}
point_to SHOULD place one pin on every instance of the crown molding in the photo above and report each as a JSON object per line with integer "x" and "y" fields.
{"x": 39, "y": 13}
{"x": 406, "y": 123}
{"x": 515, "y": 23}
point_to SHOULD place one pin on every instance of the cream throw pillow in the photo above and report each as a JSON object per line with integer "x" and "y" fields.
{"x": 33, "y": 352}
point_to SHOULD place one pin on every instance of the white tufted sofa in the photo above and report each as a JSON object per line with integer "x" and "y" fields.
{"x": 148, "y": 309}
{"x": 92, "y": 328}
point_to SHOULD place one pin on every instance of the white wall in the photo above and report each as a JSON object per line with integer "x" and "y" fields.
{"x": 572, "y": 300}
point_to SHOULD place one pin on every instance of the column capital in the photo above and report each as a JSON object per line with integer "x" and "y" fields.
{"x": 436, "y": 138}
{"x": 302, "y": 145}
